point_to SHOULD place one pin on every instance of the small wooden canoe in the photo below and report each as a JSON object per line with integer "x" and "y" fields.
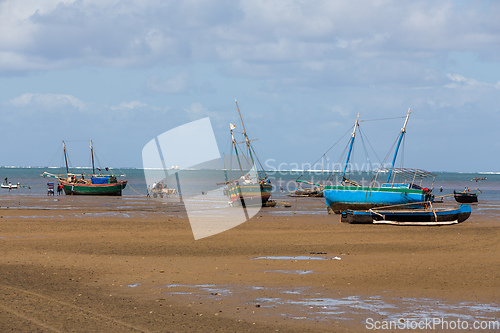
{"x": 408, "y": 217}
{"x": 465, "y": 197}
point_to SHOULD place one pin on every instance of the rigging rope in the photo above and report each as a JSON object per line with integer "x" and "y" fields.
{"x": 331, "y": 147}
{"x": 361, "y": 121}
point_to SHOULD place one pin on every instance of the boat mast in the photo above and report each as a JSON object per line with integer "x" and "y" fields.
{"x": 350, "y": 147}
{"x": 92, "y": 154}
{"x": 231, "y": 126}
{"x": 245, "y": 133}
{"x": 403, "y": 131}
{"x": 65, "y": 157}
{"x": 322, "y": 168}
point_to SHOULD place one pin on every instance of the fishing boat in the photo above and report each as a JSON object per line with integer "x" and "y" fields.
{"x": 315, "y": 192}
{"x": 93, "y": 184}
{"x": 252, "y": 187}
{"x": 424, "y": 216}
{"x": 402, "y": 186}
{"x": 465, "y": 196}
{"x": 10, "y": 186}
{"x": 478, "y": 179}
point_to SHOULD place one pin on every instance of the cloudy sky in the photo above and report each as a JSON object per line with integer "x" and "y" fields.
{"x": 122, "y": 72}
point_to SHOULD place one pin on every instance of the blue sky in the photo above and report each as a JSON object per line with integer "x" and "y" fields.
{"x": 123, "y": 72}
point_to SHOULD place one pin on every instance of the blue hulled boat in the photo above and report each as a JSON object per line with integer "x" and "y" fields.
{"x": 402, "y": 186}
{"x": 408, "y": 216}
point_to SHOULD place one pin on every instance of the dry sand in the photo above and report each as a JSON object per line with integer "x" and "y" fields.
{"x": 118, "y": 265}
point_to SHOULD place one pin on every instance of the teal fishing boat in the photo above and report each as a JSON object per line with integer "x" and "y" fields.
{"x": 402, "y": 186}
{"x": 250, "y": 187}
{"x": 426, "y": 216}
{"x": 90, "y": 184}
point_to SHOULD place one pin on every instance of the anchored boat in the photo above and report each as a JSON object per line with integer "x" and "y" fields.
{"x": 408, "y": 216}
{"x": 466, "y": 196}
{"x": 402, "y": 186}
{"x": 93, "y": 184}
{"x": 250, "y": 187}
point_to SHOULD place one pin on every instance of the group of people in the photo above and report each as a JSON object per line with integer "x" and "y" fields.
{"x": 6, "y": 182}
{"x": 160, "y": 189}
{"x": 73, "y": 179}
{"x": 265, "y": 181}
{"x": 50, "y": 189}
{"x": 246, "y": 179}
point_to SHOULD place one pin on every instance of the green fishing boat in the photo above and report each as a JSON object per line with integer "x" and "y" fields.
{"x": 90, "y": 184}
{"x": 252, "y": 187}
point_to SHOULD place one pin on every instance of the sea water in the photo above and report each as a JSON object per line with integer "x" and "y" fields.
{"x": 193, "y": 182}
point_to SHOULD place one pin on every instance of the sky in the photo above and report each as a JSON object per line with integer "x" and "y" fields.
{"x": 122, "y": 72}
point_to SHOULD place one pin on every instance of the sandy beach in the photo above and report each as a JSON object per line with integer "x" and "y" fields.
{"x": 122, "y": 265}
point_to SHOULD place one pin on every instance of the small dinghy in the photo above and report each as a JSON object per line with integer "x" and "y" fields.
{"x": 11, "y": 186}
{"x": 408, "y": 216}
{"x": 466, "y": 196}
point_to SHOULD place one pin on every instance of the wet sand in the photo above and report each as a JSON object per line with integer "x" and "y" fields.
{"x": 126, "y": 265}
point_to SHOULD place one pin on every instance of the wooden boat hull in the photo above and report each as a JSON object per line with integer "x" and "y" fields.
{"x": 465, "y": 197}
{"x": 308, "y": 193}
{"x": 14, "y": 187}
{"x": 408, "y": 217}
{"x": 339, "y": 198}
{"x": 94, "y": 189}
{"x": 249, "y": 194}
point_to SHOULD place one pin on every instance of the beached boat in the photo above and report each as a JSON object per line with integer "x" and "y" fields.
{"x": 465, "y": 197}
{"x": 10, "y": 186}
{"x": 407, "y": 216}
{"x": 93, "y": 184}
{"x": 250, "y": 188}
{"x": 302, "y": 192}
{"x": 402, "y": 186}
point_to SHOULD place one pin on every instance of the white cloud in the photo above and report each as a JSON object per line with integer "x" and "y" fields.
{"x": 460, "y": 81}
{"x": 130, "y": 105}
{"x": 16, "y": 26}
{"x": 178, "y": 84}
{"x": 196, "y": 110}
{"x": 42, "y": 34}
{"x": 48, "y": 101}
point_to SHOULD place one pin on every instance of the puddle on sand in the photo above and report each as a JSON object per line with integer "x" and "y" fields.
{"x": 309, "y": 304}
{"x": 290, "y": 272}
{"x": 211, "y": 289}
{"x": 297, "y": 258}
{"x": 102, "y": 214}
{"x": 300, "y": 212}
{"x": 413, "y": 309}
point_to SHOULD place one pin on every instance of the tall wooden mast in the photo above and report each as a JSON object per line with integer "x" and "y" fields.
{"x": 65, "y": 157}
{"x": 245, "y": 133}
{"x": 353, "y": 135}
{"x": 92, "y": 154}
{"x": 403, "y": 131}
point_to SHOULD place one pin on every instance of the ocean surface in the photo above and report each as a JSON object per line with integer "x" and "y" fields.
{"x": 193, "y": 182}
